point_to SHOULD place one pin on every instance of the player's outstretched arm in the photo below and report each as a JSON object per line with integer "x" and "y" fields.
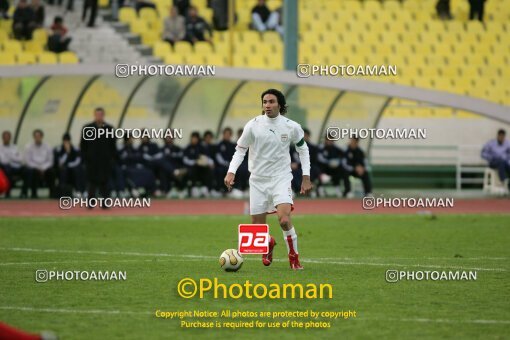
{"x": 229, "y": 180}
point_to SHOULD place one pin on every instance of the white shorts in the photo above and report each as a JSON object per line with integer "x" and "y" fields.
{"x": 268, "y": 192}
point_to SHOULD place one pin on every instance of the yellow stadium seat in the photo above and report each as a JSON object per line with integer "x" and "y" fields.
{"x": 495, "y": 27}
{"x": 252, "y": 37}
{"x": 243, "y": 18}
{"x": 455, "y": 60}
{"x": 461, "y": 49}
{"x": 475, "y": 26}
{"x": 175, "y": 59}
{"x": 183, "y": 48}
{"x": 203, "y": 47}
{"x": 200, "y": 3}
{"x": 275, "y": 62}
{"x": 149, "y": 14}
{"x": 6, "y": 25}
{"x": 240, "y": 61}
{"x": 26, "y": 58}
{"x": 243, "y": 49}
{"x": 150, "y": 37}
{"x": 7, "y": 58}
{"x": 256, "y": 61}
{"x": 40, "y": 35}
{"x": 3, "y": 36}
{"x": 498, "y": 59}
{"x": 274, "y": 4}
{"x": 156, "y": 26}
{"x": 215, "y": 59}
{"x": 422, "y": 48}
{"x": 68, "y": 57}
{"x": 163, "y": 10}
{"x": 454, "y": 26}
{"x": 161, "y": 49}
{"x": 207, "y": 14}
{"x": 127, "y": 15}
{"x": 195, "y": 59}
{"x": 475, "y": 60}
{"x": 392, "y": 5}
{"x": 138, "y": 26}
{"x": 47, "y": 58}
{"x": 34, "y": 46}
{"x": 12, "y": 46}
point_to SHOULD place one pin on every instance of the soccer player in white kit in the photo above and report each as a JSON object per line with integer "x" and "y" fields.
{"x": 268, "y": 137}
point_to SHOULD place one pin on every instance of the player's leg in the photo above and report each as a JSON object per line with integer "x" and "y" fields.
{"x": 258, "y": 211}
{"x": 267, "y": 259}
{"x": 289, "y": 234}
{"x": 259, "y": 218}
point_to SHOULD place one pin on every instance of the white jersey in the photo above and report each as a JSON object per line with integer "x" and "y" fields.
{"x": 268, "y": 140}
{"x": 9, "y": 155}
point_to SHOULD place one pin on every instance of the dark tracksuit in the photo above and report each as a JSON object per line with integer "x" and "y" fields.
{"x": 224, "y": 152}
{"x": 69, "y": 169}
{"x": 355, "y": 157}
{"x": 153, "y": 159}
{"x": 173, "y": 160}
{"x": 135, "y": 173}
{"x": 197, "y": 173}
{"x": 330, "y": 160}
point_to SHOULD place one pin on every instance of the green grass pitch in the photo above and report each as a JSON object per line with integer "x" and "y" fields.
{"x": 352, "y": 253}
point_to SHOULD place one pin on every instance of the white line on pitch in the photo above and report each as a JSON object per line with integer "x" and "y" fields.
{"x": 187, "y": 256}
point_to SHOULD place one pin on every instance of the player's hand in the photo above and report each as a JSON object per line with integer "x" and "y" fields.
{"x": 229, "y": 180}
{"x": 306, "y": 185}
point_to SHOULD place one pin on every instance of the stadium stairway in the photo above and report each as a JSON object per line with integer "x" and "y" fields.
{"x": 101, "y": 44}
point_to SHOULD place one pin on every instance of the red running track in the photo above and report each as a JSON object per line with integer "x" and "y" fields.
{"x": 38, "y": 208}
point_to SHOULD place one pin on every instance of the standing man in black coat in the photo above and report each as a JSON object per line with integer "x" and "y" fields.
{"x": 98, "y": 149}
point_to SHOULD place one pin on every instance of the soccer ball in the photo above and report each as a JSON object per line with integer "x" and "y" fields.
{"x": 231, "y": 260}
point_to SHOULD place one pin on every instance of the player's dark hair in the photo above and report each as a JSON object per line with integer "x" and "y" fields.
{"x": 38, "y": 131}
{"x": 99, "y": 108}
{"x": 280, "y": 98}
{"x": 501, "y": 132}
{"x": 66, "y": 136}
{"x": 208, "y": 133}
{"x": 307, "y": 131}
{"x": 356, "y": 138}
{"x": 195, "y": 134}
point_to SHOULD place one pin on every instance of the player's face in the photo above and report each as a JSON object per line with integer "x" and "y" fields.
{"x": 501, "y": 137}
{"x": 227, "y": 135}
{"x": 270, "y": 105}
{"x": 6, "y": 138}
{"x": 38, "y": 137}
{"x": 99, "y": 116}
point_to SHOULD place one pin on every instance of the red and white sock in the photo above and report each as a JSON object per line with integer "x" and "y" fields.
{"x": 290, "y": 238}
